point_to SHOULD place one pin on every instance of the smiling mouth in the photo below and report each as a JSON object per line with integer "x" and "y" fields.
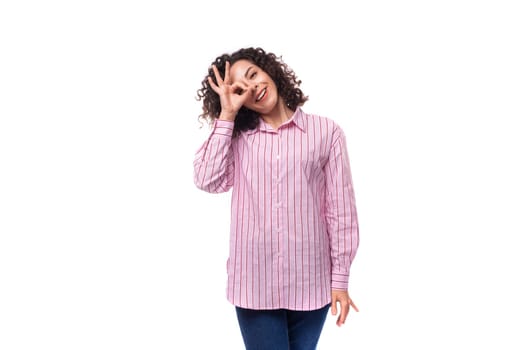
{"x": 261, "y": 95}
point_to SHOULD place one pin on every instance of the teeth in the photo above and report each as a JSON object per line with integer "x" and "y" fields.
{"x": 261, "y": 94}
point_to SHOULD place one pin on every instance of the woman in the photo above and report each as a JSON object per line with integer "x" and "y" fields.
{"x": 294, "y": 229}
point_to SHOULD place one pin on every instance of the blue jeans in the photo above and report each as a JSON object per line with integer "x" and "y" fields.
{"x": 281, "y": 329}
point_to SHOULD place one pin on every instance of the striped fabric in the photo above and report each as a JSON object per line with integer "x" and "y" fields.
{"x": 294, "y": 228}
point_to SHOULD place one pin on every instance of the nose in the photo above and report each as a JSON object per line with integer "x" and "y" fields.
{"x": 253, "y": 87}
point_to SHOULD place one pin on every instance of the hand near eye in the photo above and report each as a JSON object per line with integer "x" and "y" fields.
{"x": 232, "y": 96}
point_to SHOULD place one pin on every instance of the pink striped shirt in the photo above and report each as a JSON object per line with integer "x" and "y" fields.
{"x": 294, "y": 229}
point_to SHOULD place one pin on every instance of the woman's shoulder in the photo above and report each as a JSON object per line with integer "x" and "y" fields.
{"x": 320, "y": 121}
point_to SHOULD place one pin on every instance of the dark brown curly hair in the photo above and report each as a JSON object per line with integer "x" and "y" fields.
{"x": 246, "y": 119}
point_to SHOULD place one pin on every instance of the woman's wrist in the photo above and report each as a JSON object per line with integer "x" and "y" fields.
{"x": 228, "y": 116}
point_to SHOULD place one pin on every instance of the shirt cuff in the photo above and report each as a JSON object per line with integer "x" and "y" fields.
{"x": 339, "y": 281}
{"x": 223, "y": 127}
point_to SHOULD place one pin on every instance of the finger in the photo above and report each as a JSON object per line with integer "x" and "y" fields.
{"x": 239, "y": 89}
{"x": 213, "y": 86}
{"x": 227, "y": 73}
{"x": 242, "y": 85}
{"x": 217, "y": 75}
{"x": 334, "y": 307}
{"x": 354, "y": 306}
{"x": 244, "y": 92}
{"x": 345, "y": 308}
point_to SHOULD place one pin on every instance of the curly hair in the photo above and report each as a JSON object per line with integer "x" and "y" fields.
{"x": 246, "y": 119}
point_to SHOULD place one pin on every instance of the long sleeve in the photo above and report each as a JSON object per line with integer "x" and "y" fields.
{"x": 213, "y": 164}
{"x": 341, "y": 214}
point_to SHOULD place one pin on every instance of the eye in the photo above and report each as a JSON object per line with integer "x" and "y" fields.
{"x": 238, "y": 91}
{"x": 253, "y": 75}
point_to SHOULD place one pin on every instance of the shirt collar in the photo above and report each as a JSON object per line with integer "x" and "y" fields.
{"x": 297, "y": 119}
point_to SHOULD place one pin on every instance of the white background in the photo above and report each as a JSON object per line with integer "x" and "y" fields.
{"x": 105, "y": 243}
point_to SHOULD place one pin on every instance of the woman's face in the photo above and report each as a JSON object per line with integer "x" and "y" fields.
{"x": 264, "y": 95}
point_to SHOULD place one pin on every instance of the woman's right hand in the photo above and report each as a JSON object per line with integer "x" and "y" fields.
{"x": 232, "y": 96}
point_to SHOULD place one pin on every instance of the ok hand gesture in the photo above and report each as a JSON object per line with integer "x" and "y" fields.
{"x": 232, "y": 95}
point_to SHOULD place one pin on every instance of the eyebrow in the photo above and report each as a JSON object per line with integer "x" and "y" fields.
{"x": 247, "y": 71}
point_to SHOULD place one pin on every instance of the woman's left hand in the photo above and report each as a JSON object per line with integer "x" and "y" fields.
{"x": 345, "y": 302}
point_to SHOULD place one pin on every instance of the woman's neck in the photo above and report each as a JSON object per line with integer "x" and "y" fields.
{"x": 280, "y": 115}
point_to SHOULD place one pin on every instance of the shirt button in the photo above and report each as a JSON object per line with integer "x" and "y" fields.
{"x": 278, "y": 156}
